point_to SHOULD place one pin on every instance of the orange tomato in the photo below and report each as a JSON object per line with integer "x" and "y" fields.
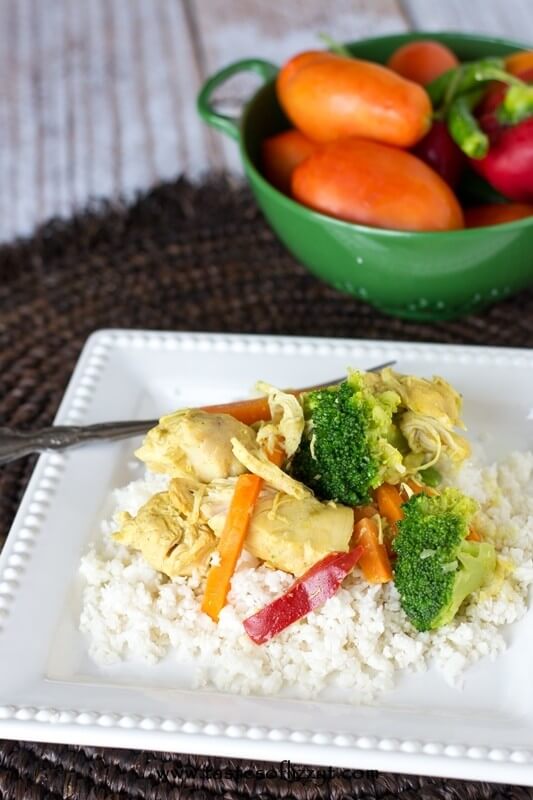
{"x": 422, "y": 61}
{"x": 496, "y": 214}
{"x": 330, "y": 97}
{"x": 280, "y": 154}
{"x": 374, "y": 184}
{"x": 519, "y": 62}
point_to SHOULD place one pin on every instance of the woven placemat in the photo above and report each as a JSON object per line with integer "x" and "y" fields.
{"x": 182, "y": 258}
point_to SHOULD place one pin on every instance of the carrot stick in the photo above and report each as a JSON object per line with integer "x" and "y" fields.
{"x": 277, "y": 456}
{"x": 363, "y": 512}
{"x": 389, "y": 502}
{"x": 374, "y": 562}
{"x": 419, "y": 488}
{"x": 231, "y": 542}
{"x": 247, "y": 411}
{"x": 240, "y": 512}
{"x": 474, "y": 535}
{"x": 256, "y": 409}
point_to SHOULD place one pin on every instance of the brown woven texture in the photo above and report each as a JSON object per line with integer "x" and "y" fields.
{"x": 182, "y": 258}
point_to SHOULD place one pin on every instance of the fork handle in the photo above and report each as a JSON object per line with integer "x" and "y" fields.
{"x": 16, "y": 444}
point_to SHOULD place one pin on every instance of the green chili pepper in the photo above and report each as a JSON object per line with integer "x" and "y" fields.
{"x": 335, "y": 47}
{"x": 464, "y": 127}
{"x": 516, "y": 106}
{"x": 459, "y": 80}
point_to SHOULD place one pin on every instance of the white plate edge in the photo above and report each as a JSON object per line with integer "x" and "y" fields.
{"x": 16, "y": 721}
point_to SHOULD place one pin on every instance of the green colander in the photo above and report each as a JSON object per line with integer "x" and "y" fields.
{"x": 421, "y": 276}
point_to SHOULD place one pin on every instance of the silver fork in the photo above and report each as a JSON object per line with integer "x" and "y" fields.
{"x": 15, "y": 444}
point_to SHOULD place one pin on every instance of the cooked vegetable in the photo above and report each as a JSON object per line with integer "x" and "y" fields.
{"x": 422, "y": 61}
{"x": 364, "y": 512}
{"x": 328, "y": 97}
{"x": 230, "y": 545}
{"x": 374, "y": 184}
{"x": 281, "y": 153}
{"x": 376, "y": 428}
{"x": 496, "y": 214}
{"x": 508, "y": 166}
{"x": 374, "y": 562}
{"x": 431, "y": 477}
{"x": 344, "y": 452}
{"x": 429, "y": 412}
{"x": 439, "y": 151}
{"x": 415, "y": 487}
{"x": 195, "y": 442}
{"x": 389, "y": 502}
{"x": 436, "y": 567}
{"x": 246, "y": 411}
{"x": 307, "y": 593}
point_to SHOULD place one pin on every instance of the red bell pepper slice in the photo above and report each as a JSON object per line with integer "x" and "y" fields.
{"x": 308, "y": 592}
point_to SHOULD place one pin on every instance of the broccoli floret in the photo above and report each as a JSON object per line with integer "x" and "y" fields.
{"x": 345, "y": 451}
{"x": 436, "y": 567}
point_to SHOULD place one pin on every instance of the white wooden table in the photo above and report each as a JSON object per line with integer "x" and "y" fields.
{"x": 97, "y": 97}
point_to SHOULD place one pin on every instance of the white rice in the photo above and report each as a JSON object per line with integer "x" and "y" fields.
{"x": 358, "y": 641}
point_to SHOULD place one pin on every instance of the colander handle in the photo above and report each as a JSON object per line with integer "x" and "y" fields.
{"x": 230, "y": 125}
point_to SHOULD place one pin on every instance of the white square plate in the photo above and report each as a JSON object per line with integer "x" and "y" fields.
{"x": 50, "y": 690}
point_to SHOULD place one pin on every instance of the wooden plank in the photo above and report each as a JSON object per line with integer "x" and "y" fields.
{"x": 8, "y": 126}
{"x": 180, "y": 70}
{"x": 229, "y": 30}
{"x": 98, "y": 97}
{"x": 95, "y": 103}
{"x": 513, "y": 19}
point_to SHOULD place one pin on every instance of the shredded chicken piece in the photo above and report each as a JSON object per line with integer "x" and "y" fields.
{"x": 427, "y": 435}
{"x": 182, "y": 493}
{"x": 286, "y": 533}
{"x": 287, "y": 421}
{"x": 167, "y": 540}
{"x": 435, "y": 398}
{"x": 256, "y": 462}
{"x": 195, "y": 444}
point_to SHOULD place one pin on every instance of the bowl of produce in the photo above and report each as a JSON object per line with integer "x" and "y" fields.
{"x": 398, "y": 169}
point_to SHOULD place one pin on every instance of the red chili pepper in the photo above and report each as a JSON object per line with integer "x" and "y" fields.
{"x": 506, "y": 117}
{"x": 440, "y": 152}
{"x": 508, "y": 166}
{"x": 497, "y": 92}
{"x": 308, "y": 592}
